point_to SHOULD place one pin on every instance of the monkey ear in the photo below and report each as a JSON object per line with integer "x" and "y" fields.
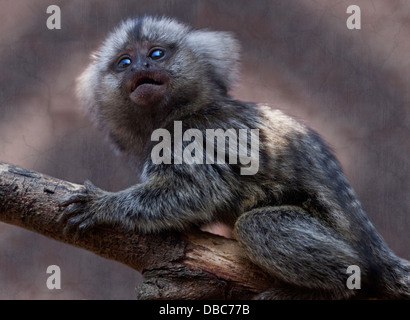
{"x": 86, "y": 89}
{"x": 219, "y": 49}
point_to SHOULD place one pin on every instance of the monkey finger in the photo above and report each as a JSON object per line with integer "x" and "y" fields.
{"x": 71, "y": 230}
{"x": 78, "y": 197}
{"x": 79, "y": 225}
{"x": 73, "y": 223}
{"x": 85, "y": 225}
{"x": 91, "y": 187}
{"x": 70, "y": 211}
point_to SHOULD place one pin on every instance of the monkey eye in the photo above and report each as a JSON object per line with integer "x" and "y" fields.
{"x": 157, "y": 54}
{"x": 124, "y": 63}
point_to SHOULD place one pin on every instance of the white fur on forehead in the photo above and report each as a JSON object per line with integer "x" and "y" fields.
{"x": 162, "y": 30}
{"x": 117, "y": 39}
{"x": 152, "y": 29}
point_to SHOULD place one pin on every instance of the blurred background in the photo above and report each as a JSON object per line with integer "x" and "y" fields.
{"x": 352, "y": 86}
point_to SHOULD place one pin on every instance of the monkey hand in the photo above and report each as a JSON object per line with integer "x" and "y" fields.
{"x": 83, "y": 210}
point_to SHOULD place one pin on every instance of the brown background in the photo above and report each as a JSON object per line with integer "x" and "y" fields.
{"x": 351, "y": 86}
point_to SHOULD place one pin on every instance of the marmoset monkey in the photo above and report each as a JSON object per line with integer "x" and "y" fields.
{"x": 296, "y": 217}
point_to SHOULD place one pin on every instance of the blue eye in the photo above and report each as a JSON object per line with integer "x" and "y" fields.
{"x": 124, "y": 63}
{"x": 157, "y": 54}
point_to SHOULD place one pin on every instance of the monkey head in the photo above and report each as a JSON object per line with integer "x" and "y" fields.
{"x": 153, "y": 65}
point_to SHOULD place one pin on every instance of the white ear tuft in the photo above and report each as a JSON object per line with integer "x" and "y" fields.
{"x": 220, "y": 49}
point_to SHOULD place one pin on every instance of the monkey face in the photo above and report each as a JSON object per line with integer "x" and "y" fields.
{"x": 149, "y": 63}
{"x": 153, "y": 66}
{"x": 145, "y": 77}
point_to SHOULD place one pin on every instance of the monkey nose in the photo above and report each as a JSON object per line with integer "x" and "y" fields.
{"x": 140, "y": 66}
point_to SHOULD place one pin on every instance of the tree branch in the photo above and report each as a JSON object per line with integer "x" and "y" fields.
{"x": 195, "y": 265}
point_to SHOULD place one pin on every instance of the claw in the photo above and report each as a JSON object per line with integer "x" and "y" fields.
{"x": 79, "y": 197}
{"x": 67, "y": 230}
{"x": 85, "y": 225}
{"x": 90, "y": 186}
{"x": 74, "y": 226}
{"x": 75, "y": 221}
{"x": 64, "y": 216}
{"x": 77, "y": 215}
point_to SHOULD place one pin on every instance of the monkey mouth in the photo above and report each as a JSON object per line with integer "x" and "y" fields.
{"x": 146, "y": 81}
{"x": 147, "y": 88}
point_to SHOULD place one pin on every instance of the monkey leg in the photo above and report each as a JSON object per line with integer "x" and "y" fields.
{"x": 299, "y": 250}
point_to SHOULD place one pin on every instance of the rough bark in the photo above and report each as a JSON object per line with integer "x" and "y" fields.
{"x": 195, "y": 265}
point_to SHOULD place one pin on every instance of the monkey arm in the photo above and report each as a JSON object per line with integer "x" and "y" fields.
{"x": 172, "y": 198}
{"x": 192, "y": 265}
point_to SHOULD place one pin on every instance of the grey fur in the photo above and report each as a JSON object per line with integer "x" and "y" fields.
{"x": 298, "y": 218}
